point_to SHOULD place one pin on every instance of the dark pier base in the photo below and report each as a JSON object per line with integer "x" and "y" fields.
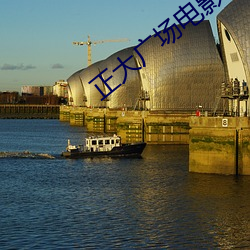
{"x": 29, "y": 111}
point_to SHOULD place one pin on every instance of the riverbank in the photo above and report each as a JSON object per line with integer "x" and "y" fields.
{"x": 25, "y": 111}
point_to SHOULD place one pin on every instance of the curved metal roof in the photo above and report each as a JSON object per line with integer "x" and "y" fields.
{"x": 236, "y": 18}
{"x": 77, "y": 94}
{"x": 177, "y": 76}
{"x": 128, "y": 93}
{"x": 184, "y": 74}
{"x": 93, "y": 95}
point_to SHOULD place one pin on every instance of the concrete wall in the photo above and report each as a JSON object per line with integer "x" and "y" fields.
{"x": 219, "y": 145}
{"x": 167, "y": 129}
{"x": 20, "y": 111}
{"x": 64, "y": 114}
{"x": 132, "y": 126}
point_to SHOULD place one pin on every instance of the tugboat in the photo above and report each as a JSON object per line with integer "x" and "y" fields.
{"x": 96, "y": 146}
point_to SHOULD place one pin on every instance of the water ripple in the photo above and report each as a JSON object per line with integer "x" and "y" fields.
{"x": 148, "y": 203}
{"x": 26, "y": 154}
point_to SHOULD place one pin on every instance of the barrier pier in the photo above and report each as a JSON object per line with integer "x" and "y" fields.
{"x": 132, "y": 126}
{"x": 219, "y": 145}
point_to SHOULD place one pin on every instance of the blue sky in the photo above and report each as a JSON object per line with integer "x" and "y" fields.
{"x": 36, "y": 35}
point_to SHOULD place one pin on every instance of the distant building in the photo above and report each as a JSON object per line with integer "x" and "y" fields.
{"x": 39, "y": 95}
{"x": 40, "y": 100}
{"x": 30, "y": 90}
{"x": 37, "y": 90}
{"x": 60, "y": 89}
{"x": 47, "y": 90}
{"x": 9, "y": 97}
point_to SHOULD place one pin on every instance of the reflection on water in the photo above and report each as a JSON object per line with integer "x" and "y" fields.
{"x": 224, "y": 200}
{"x": 151, "y": 202}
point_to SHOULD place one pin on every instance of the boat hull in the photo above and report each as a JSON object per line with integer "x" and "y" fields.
{"x": 126, "y": 150}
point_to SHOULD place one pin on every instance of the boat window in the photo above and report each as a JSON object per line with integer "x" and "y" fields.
{"x": 117, "y": 141}
{"x": 112, "y": 142}
{"x": 107, "y": 142}
{"x": 94, "y": 142}
{"x": 100, "y": 142}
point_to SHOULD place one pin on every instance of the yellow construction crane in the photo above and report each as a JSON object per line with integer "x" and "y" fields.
{"x": 89, "y": 43}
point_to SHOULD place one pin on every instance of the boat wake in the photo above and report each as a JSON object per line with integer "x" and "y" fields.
{"x": 26, "y": 154}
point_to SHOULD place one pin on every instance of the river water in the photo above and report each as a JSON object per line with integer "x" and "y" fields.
{"x": 150, "y": 203}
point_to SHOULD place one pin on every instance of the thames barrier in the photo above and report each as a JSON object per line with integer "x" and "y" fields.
{"x": 132, "y": 126}
{"x": 217, "y": 145}
{"x": 167, "y": 86}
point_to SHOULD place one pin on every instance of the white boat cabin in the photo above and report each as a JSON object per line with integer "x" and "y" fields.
{"x": 105, "y": 143}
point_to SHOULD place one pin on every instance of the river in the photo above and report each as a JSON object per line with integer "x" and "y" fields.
{"x": 48, "y": 202}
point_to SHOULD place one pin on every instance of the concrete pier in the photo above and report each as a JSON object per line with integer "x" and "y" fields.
{"x": 219, "y": 145}
{"x": 132, "y": 126}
